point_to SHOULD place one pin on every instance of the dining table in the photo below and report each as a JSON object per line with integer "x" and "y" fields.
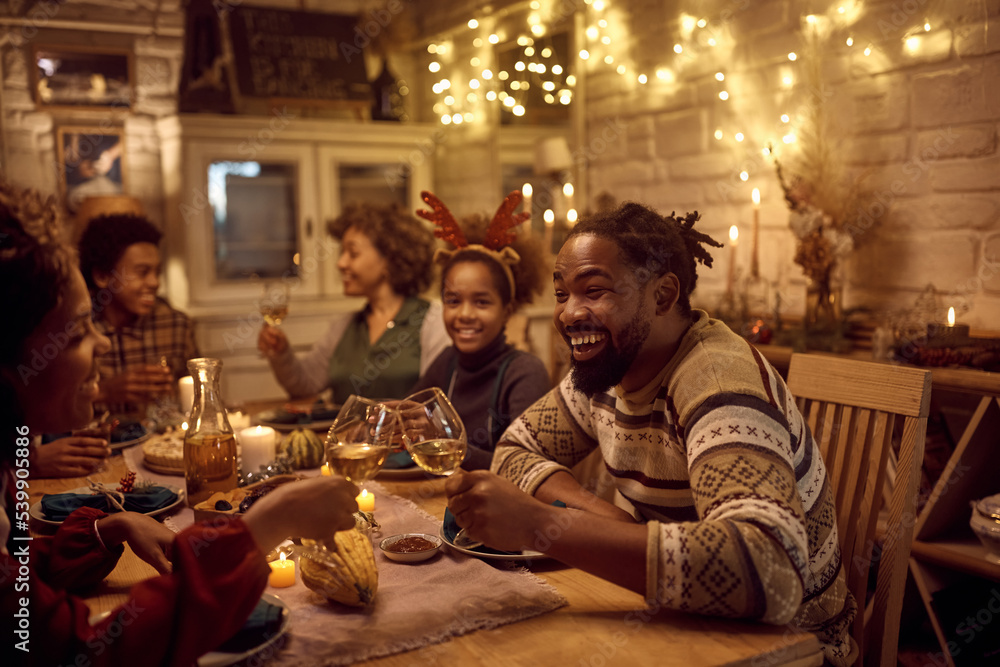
{"x": 596, "y": 623}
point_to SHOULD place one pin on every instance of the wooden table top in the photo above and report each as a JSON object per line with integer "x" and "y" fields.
{"x": 602, "y": 624}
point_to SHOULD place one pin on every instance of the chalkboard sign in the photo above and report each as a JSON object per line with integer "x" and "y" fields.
{"x": 303, "y": 56}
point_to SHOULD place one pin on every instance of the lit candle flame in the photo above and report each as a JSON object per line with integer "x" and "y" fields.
{"x": 734, "y": 234}
{"x": 184, "y": 426}
{"x": 755, "y": 195}
{"x": 282, "y": 556}
{"x": 951, "y": 316}
{"x": 526, "y": 189}
{"x": 549, "y": 216}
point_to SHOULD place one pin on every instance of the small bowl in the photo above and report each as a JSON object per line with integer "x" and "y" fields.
{"x": 986, "y": 525}
{"x": 410, "y": 556}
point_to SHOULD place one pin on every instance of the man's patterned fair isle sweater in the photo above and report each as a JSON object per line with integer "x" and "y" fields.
{"x": 716, "y": 458}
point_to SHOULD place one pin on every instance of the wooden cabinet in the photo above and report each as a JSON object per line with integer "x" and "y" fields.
{"x": 247, "y": 200}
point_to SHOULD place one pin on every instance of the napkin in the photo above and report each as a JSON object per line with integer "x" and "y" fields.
{"x": 398, "y": 460}
{"x": 58, "y": 506}
{"x": 264, "y": 622}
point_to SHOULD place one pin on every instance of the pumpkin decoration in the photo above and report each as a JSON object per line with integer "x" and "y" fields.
{"x": 303, "y": 448}
{"x": 347, "y": 574}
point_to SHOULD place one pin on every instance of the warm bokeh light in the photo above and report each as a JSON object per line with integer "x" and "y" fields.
{"x": 951, "y": 316}
{"x": 734, "y": 234}
{"x": 755, "y": 195}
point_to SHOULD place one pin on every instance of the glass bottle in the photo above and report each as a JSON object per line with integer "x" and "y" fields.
{"x": 209, "y": 443}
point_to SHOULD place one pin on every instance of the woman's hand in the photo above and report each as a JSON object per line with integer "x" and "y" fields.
{"x": 72, "y": 456}
{"x": 271, "y": 341}
{"x": 315, "y": 508}
{"x": 148, "y": 538}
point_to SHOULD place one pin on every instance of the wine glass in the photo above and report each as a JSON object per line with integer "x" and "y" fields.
{"x": 434, "y": 433}
{"x": 435, "y": 438}
{"x": 359, "y": 440}
{"x": 274, "y": 303}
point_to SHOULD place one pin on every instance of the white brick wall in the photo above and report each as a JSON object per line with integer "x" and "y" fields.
{"x": 921, "y": 127}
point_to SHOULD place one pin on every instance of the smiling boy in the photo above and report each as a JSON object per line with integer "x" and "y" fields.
{"x": 120, "y": 260}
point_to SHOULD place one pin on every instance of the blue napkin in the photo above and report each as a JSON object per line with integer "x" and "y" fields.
{"x": 58, "y": 506}
{"x": 398, "y": 460}
{"x": 264, "y": 622}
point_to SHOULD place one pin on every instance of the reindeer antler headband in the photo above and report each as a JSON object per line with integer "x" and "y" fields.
{"x": 499, "y": 234}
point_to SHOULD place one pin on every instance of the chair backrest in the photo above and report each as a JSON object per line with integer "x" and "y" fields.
{"x": 854, "y": 408}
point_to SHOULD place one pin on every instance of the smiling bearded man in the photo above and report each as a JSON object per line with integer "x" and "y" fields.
{"x": 729, "y": 509}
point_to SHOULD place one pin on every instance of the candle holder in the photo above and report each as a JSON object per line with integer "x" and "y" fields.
{"x": 944, "y": 335}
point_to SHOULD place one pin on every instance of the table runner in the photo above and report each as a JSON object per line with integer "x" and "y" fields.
{"x": 417, "y": 604}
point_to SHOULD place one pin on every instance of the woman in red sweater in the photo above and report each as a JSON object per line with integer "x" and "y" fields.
{"x": 211, "y": 576}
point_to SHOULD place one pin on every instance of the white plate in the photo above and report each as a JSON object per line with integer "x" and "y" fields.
{"x": 36, "y": 510}
{"x": 524, "y": 555}
{"x": 129, "y": 443}
{"x": 222, "y": 659}
{"x": 408, "y": 472}
{"x": 321, "y": 427}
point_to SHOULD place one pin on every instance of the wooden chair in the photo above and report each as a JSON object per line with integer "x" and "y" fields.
{"x": 853, "y": 409}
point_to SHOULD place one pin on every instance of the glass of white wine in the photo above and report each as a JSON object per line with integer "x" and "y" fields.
{"x": 435, "y": 435}
{"x": 360, "y": 438}
{"x": 274, "y": 303}
{"x": 435, "y": 438}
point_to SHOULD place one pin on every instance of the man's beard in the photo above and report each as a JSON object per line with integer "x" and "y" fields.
{"x": 604, "y": 371}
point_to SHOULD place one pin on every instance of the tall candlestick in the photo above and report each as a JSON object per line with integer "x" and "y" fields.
{"x": 734, "y": 234}
{"x": 754, "y": 265}
{"x": 568, "y": 193}
{"x": 550, "y": 221}
{"x": 257, "y": 444}
{"x": 526, "y": 190}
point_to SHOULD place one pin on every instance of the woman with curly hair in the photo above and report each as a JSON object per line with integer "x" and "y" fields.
{"x": 380, "y": 350}
{"x": 488, "y": 275}
{"x": 211, "y": 575}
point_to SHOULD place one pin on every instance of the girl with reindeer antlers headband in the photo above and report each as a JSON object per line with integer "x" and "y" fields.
{"x": 487, "y": 274}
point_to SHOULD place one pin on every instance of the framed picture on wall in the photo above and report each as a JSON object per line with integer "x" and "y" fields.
{"x": 82, "y": 77}
{"x": 91, "y": 163}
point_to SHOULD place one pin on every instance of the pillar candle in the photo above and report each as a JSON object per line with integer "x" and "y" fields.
{"x": 282, "y": 573}
{"x": 257, "y": 444}
{"x": 366, "y": 501}
{"x": 185, "y": 393}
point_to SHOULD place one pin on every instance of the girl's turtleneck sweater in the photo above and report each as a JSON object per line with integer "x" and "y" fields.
{"x": 470, "y": 381}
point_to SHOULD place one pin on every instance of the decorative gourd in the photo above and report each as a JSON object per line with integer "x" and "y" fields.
{"x": 303, "y": 448}
{"x": 347, "y": 575}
